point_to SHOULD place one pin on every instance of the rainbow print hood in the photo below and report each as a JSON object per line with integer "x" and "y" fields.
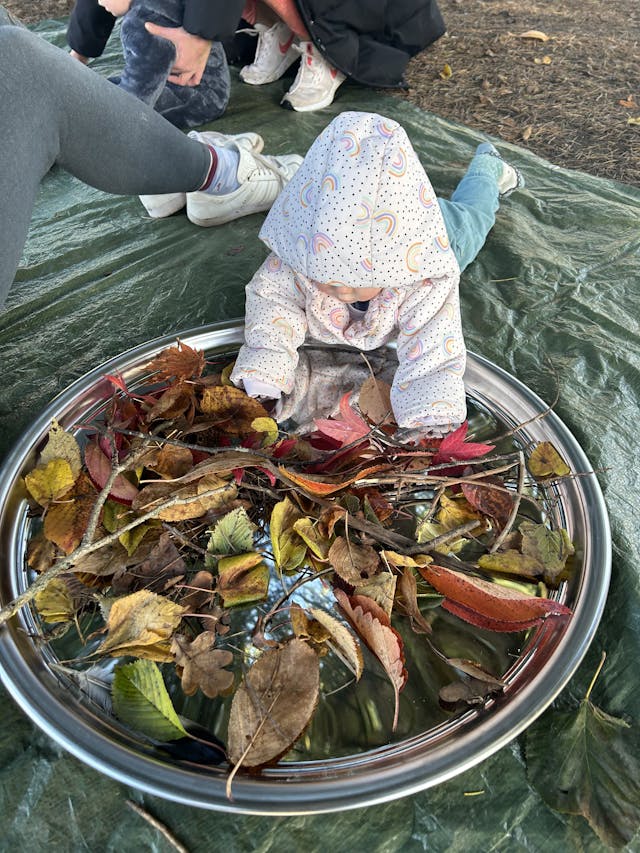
{"x": 361, "y": 211}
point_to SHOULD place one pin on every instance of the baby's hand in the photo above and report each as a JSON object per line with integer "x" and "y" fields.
{"x": 116, "y": 7}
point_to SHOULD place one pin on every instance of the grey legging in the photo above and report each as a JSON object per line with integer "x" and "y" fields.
{"x": 53, "y": 110}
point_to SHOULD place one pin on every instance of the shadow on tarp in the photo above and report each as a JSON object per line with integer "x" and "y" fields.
{"x": 553, "y": 298}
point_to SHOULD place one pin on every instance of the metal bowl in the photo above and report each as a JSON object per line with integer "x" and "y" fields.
{"x": 543, "y": 667}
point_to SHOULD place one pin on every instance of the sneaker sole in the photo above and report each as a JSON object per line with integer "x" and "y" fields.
{"x": 309, "y": 108}
{"x": 170, "y": 205}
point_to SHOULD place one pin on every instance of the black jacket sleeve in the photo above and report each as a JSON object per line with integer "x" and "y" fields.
{"x": 212, "y": 19}
{"x": 89, "y": 28}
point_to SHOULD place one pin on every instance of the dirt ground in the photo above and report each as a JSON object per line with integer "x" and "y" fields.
{"x": 569, "y": 91}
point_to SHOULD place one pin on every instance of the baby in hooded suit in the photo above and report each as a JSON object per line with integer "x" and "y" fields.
{"x": 361, "y": 255}
{"x": 148, "y": 60}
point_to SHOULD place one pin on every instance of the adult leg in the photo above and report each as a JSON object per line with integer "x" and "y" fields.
{"x": 56, "y": 111}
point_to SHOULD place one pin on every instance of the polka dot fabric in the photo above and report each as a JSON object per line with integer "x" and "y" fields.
{"x": 361, "y": 212}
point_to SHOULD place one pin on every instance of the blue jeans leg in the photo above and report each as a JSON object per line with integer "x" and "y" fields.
{"x": 470, "y": 213}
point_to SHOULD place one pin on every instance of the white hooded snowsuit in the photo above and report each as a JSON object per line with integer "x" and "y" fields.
{"x": 361, "y": 212}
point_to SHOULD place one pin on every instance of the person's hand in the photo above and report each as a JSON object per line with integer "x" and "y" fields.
{"x": 83, "y": 59}
{"x": 192, "y": 53}
{"x": 118, "y": 8}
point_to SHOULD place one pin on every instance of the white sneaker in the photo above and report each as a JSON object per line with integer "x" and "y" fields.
{"x": 274, "y": 54}
{"x": 166, "y": 204}
{"x": 316, "y": 81}
{"x": 261, "y": 178}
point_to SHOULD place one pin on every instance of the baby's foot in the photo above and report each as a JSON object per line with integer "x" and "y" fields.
{"x": 511, "y": 178}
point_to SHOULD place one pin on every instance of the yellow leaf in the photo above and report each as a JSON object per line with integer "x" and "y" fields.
{"x": 289, "y": 550}
{"x": 50, "y": 482}
{"x": 55, "y": 602}
{"x": 632, "y": 120}
{"x": 546, "y": 60}
{"x": 446, "y": 72}
{"x": 62, "y": 445}
{"x": 526, "y": 133}
{"x": 401, "y": 560}
{"x": 545, "y": 461}
{"x": 534, "y": 34}
{"x": 454, "y": 512}
{"x": 269, "y": 427}
{"x": 243, "y": 578}
{"x": 141, "y": 625}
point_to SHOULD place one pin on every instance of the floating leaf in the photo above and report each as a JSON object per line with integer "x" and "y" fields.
{"x": 243, "y": 578}
{"x": 274, "y": 704}
{"x": 232, "y": 534}
{"x": 489, "y": 605}
{"x": 545, "y": 461}
{"x": 141, "y": 625}
{"x": 526, "y": 133}
{"x": 588, "y": 763}
{"x": 342, "y": 641}
{"x": 348, "y": 428}
{"x": 140, "y": 700}
{"x": 372, "y": 624}
{"x": 543, "y": 554}
{"x": 471, "y": 691}
{"x": 633, "y": 120}
{"x": 629, "y": 103}
{"x": 62, "y": 445}
{"x": 50, "y": 482}
{"x": 534, "y": 34}
{"x": 232, "y": 410}
{"x": 454, "y": 447}
{"x": 56, "y": 603}
{"x": 353, "y": 562}
{"x": 202, "y": 664}
{"x": 179, "y": 362}
{"x": 374, "y": 401}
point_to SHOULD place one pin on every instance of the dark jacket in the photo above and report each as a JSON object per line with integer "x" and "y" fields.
{"x": 372, "y": 41}
{"x": 90, "y": 25}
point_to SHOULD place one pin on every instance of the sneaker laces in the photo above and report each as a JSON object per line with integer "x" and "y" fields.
{"x": 313, "y": 69}
{"x": 267, "y": 40}
{"x": 268, "y": 165}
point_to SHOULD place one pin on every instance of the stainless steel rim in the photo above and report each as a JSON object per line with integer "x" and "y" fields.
{"x": 310, "y": 787}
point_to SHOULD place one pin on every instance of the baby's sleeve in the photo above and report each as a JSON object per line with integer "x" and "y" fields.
{"x": 275, "y": 327}
{"x": 428, "y": 387}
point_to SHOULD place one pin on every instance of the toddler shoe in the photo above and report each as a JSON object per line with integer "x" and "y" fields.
{"x": 166, "y": 204}
{"x": 510, "y": 179}
{"x": 316, "y": 82}
{"x": 274, "y": 54}
{"x": 260, "y": 178}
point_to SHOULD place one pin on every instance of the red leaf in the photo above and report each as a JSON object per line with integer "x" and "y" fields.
{"x": 99, "y": 468}
{"x": 346, "y": 430}
{"x": 489, "y": 605}
{"x": 453, "y": 446}
{"x": 319, "y": 488}
{"x": 372, "y": 624}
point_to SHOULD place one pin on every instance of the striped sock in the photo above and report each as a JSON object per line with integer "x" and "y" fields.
{"x": 222, "y": 177}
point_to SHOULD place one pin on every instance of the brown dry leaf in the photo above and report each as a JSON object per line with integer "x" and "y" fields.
{"x": 50, "y": 482}
{"x": 408, "y": 589}
{"x": 202, "y": 665}
{"x": 197, "y": 591}
{"x": 62, "y": 445}
{"x": 273, "y": 705}
{"x": 223, "y": 494}
{"x": 381, "y": 588}
{"x": 156, "y": 565}
{"x": 141, "y": 625}
{"x": 629, "y": 103}
{"x": 341, "y": 641}
{"x": 496, "y": 503}
{"x": 374, "y": 401}
{"x": 353, "y": 562}
{"x": 371, "y": 623}
{"x": 41, "y": 553}
{"x": 169, "y": 461}
{"x": 526, "y": 133}
{"x": 179, "y": 362}
{"x": 232, "y": 409}
{"x": 177, "y": 401}
{"x": 309, "y": 630}
{"x": 400, "y": 561}
{"x": 534, "y": 34}
{"x": 66, "y": 521}
{"x": 104, "y": 561}
{"x": 330, "y": 517}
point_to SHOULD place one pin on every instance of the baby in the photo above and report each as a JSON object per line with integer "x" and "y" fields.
{"x": 362, "y": 253}
{"x": 149, "y": 59}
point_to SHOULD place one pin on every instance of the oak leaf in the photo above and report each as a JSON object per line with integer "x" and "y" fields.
{"x": 202, "y": 665}
{"x": 274, "y": 704}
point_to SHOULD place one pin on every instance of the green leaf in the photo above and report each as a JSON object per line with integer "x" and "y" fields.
{"x": 588, "y": 763}
{"x": 233, "y": 534}
{"x": 140, "y": 700}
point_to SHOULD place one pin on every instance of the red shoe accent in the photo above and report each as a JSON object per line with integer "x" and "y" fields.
{"x": 284, "y": 46}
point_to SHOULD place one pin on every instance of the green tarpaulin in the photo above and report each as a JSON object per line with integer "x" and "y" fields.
{"x": 553, "y": 298}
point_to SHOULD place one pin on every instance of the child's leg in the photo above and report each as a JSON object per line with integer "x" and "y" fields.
{"x": 470, "y": 213}
{"x": 55, "y": 110}
{"x": 193, "y": 106}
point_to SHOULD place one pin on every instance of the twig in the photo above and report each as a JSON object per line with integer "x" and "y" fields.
{"x": 514, "y": 509}
{"x": 155, "y": 823}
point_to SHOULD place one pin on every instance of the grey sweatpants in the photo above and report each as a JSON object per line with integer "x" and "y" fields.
{"x": 54, "y": 110}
